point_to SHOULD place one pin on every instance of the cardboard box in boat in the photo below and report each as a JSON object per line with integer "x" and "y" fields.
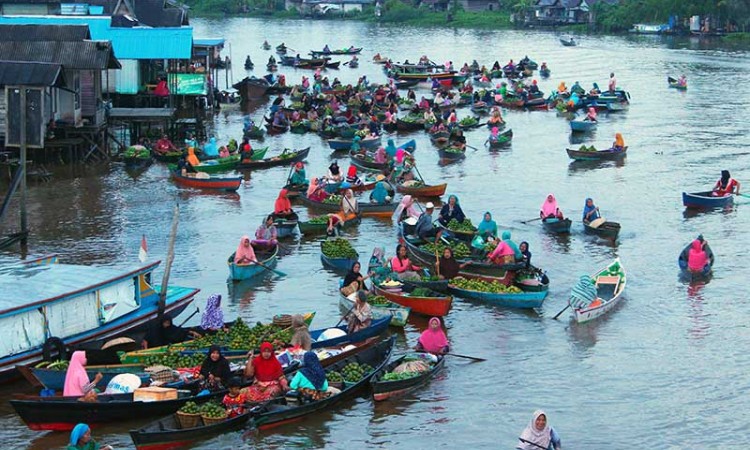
{"x": 154, "y": 394}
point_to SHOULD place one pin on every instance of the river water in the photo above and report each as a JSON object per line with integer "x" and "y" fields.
{"x": 666, "y": 369}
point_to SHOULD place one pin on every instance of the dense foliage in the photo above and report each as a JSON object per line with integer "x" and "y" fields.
{"x": 622, "y": 16}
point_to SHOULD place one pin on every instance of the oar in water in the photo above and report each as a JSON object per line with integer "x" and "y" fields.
{"x": 563, "y": 310}
{"x": 531, "y": 220}
{"x": 347, "y": 313}
{"x": 189, "y": 317}
{"x": 473, "y": 358}
{"x": 743, "y": 195}
{"x": 671, "y": 80}
{"x": 472, "y": 147}
{"x": 277, "y": 272}
{"x": 532, "y": 443}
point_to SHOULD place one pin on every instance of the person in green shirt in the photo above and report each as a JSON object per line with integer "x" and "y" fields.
{"x": 310, "y": 380}
{"x": 80, "y": 439}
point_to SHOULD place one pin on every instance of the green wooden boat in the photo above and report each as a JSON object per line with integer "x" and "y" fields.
{"x": 224, "y": 164}
{"x": 312, "y": 227}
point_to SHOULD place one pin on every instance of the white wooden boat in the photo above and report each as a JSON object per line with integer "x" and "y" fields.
{"x": 610, "y": 282}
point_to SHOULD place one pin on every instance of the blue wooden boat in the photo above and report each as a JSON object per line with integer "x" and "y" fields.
{"x": 558, "y": 226}
{"x": 609, "y": 154}
{"x": 239, "y": 272}
{"x": 706, "y": 200}
{"x": 54, "y": 306}
{"x": 337, "y": 264}
{"x": 522, "y": 300}
{"x": 582, "y": 125}
{"x": 682, "y": 261}
{"x": 367, "y": 163}
{"x": 55, "y": 379}
{"x": 285, "y": 225}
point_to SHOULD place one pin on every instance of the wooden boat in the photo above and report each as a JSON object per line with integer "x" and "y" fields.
{"x": 52, "y": 294}
{"x": 310, "y": 228}
{"x": 477, "y": 124}
{"x": 433, "y": 305}
{"x": 544, "y": 73}
{"x": 599, "y": 155}
{"x": 674, "y": 84}
{"x": 246, "y": 271}
{"x": 525, "y": 299}
{"x": 554, "y": 225}
{"x": 220, "y": 164}
{"x": 406, "y": 84}
{"x": 706, "y": 200}
{"x": 384, "y": 390}
{"x": 377, "y": 327}
{"x": 349, "y": 51}
{"x": 568, "y": 43}
{"x": 398, "y": 314}
{"x": 343, "y": 144}
{"x": 169, "y": 157}
{"x": 610, "y": 282}
{"x": 440, "y": 286}
{"x": 137, "y": 162}
{"x": 682, "y": 261}
{"x": 476, "y": 266}
{"x": 333, "y": 65}
{"x": 502, "y": 139}
{"x": 365, "y": 209}
{"x": 423, "y": 190}
{"x": 607, "y": 230}
{"x": 582, "y": 126}
{"x": 424, "y": 76}
{"x": 460, "y": 235}
{"x": 266, "y": 46}
{"x": 285, "y": 225}
{"x": 215, "y": 183}
{"x": 337, "y": 264}
{"x": 55, "y": 379}
{"x": 409, "y": 125}
{"x": 279, "y": 411}
{"x": 451, "y": 153}
{"x": 282, "y": 159}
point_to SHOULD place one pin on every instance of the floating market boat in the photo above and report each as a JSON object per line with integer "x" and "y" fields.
{"x": 422, "y": 190}
{"x": 398, "y": 314}
{"x": 68, "y": 305}
{"x": 610, "y": 282}
{"x": 279, "y": 411}
{"x": 682, "y": 261}
{"x": 557, "y": 226}
{"x": 366, "y": 162}
{"x": 239, "y": 272}
{"x": 674, "y": 84}
{"x": 383, "y": 389}
{"x": 54, "y": 379}
{"x": 597, "y": 155}
{"x": 285, "y": 225}
{"x": 337, "y": 264}
{"x": 706, "y": 200}
{"x": 507, "y": 296}
{"x": 502, "y": 139}
{"x": 214, "y": 183}
{"x": 606, "y": 229}
{"x": 286, "y": 157}
{"x": 137, "y": 157}
{"x": 344, "y": 144}
{"x": 346, "y": 51}
{"x": 312, "y": 227}
{"x": 451, "y": 153}
{"x": 568, "y": 42}
{"x": 582, "y": 126}
{"x": 365, "y": 209}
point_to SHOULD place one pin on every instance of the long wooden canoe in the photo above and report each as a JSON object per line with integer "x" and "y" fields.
{"x": 607, "y": 230}
{"x": 554, "y": 225}
{"x": 610, "y": 282}
{"x": 682, "y": 261}
{"x": 367, "y": 209}
{"x": 214, "y": 183}
{"x": 384, "y": 390}
{"x": 239, "y": 272}
{"x": 424, "y": 190}
{"x": 285, "y": 158}
{"x": 706, "y": 200}
{"x": 599, "y": 155}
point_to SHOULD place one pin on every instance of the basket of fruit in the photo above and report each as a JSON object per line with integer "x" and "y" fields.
{"x": 213, "y": 413}
{"x": 189, "y": 416}
{"x": 335, "y": 379}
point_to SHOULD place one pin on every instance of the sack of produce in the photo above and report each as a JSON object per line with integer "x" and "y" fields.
{"x": 412, "y": 366}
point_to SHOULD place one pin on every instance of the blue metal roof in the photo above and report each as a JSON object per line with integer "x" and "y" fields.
{"x": 128, "y": 43}
{"x": 208, "y": 42}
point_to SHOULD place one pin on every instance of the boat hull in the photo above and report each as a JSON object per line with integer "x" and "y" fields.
{"x": 426, "y": 306}
{"x": 607, "y": 230}
{"x": 704, "y": 200}
{"x": 399, "y": 314}
{"x": 682, "y": 262}
{"x": 384, "y": 390}
{"x": 590, "y": 313}
{"x": 603, "y": 155}
{"x": 582, "y": 126}
{"x": 239, "y": 272}
{"x": 229, "y": 184}
{"x": 522, "y": 300}
{"x": 436, "y": 190}
{"x": 275, "y": 161}
{"x": 557, "y": 226}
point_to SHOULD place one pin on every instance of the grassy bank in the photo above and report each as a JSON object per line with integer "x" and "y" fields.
{"x": 738, "y": 38}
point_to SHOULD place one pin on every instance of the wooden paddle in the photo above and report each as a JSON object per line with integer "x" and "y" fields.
{"x": 277, "y": 272}
{"x": 473, "y": 358}
{"x": 437, "y": 263}
{"x": 347, "y": 313}
{"x": 472, "y": 147}
{"x": 532, "y": 443}
{"x": 743, "y": 195}
{"x": 563, "y": 310}
{"x": 189, "y": 317}
{"x": 531, "y": 220}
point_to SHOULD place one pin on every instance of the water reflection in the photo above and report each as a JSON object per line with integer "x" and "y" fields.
{"x": 585, "y": 166}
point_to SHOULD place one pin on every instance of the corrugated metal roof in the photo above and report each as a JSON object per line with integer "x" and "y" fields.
{"x": 30, "y": 74}
{"x": 83, "y": 55}
{"x": 44, "y": 32}
{"x": 128, "y": 43}
{"x": 208, "y": 42}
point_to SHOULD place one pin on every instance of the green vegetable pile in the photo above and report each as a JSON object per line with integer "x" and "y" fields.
{"x": 339, "y": 248}
{"x": 354, "y": 372}
{"x": 137, "y": 151}
{"x": 468, "y": 122}
{"x": 213, "y": 411}
{"x": 334, "y": 377}
{"x": 54, "y": 365}
{"x": 493, "y": 287}
{"x": 333, "y": 199}
{"x": 460, "y": 249}
{"x": 583, "y": 148}
{"x": 319, "y": 220}
{"x": 190, "y": 408}
{"x": 393, "y": 376}
{"x": 463, "y": 227}
{"x": 431, "y": 278}
{"x": 420, "y": 292}
{"x": 378, "y": 300}
{"x": 175, "y": 360}
{"x": 412, "y": 118}
{"x": 454, "y": 150}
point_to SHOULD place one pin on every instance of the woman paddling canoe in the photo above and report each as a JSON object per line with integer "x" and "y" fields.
{"x": 726, "y": 185}
{"x": 433, "y": 339}
{"x": 539, "y": 435}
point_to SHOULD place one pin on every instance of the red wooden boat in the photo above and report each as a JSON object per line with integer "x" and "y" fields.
{"x": 216, "y": 183}
{"x": 424, "y": 190}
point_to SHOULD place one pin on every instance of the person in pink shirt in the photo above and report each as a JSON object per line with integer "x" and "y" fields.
{"x": 403, "y": 266}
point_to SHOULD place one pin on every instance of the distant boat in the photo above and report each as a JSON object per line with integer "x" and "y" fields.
{"x": 645, "y": 28}
{"x": 569, "y": 42}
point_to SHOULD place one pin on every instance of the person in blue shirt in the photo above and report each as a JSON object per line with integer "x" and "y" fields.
{"x": 310, "y": 380}
{"x": 590, "y": 211}
{"x": 539, "y": 435}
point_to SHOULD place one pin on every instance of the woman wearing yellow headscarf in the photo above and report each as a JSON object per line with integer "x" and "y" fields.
{"x": 191, "y": 158}
{"x": 619, "y": 143}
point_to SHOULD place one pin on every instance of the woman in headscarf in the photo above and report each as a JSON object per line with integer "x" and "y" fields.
{"x": 494, "y": 136}
{"x": 360, "y": 317}
{"x": 506, "y": 252}
{"x": 77, "y": 381}
{"x": 433, "y": 339}
{"x": 487, "y": 227}
{"x": 299, "y": 177}
{"x": 451, "y": 210}
{"x": 215, "y": 369}
{"x": 191, "y": 158}
{"x": 496, "y": 117}
{"x": 406, "y": 209}
{"x": 213, "y": 316}
{"x": 334, "y": 172}
{"x": 697, "y": 256}
{"x": 80, "y": 439}
{"x": 269, "y": 376}
{"x": 310, "y": 381}
{"x": 356, "y": 147}
{"x": 352, "y": 178}
{"x": 380, "y": 195}
{"x": 584, "y": 293}
{"x": 211, "y": 148}
{"x": 726, "y": 185}
{"x": 525, "y": 253}
{"x": 402, "y": 266}
{"x": 245, "y": 253}
{"x": 349, "y": 210}
{"x": 549, "y": 209}
{"x": 381, "y": 156}
{"x": 354, "y": 281}
{"x": 591, "y": 114}
{"x": 447, "y": 265}
{"x": 282, "y": 206}
{"x": 619, "y": 143}
{"x": 539, "y": 435}
{"x": 391, "y": 149}
{"x": 266, "y": 234}
{"x": 590, "y": 211}
{"x": 301, "y": 338}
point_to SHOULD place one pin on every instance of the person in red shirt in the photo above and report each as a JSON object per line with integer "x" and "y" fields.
{"x": 726, "y": 185}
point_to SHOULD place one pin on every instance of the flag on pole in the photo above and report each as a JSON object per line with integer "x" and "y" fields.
{"x": 143, "y": 252}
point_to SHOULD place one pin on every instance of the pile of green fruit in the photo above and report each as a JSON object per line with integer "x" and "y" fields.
{"x": 493, "y": 287}
{"x": 54, "y": 365}
{"x": 393, "y": 376}
{"x": 420, "y": 292}
{"x": 378, "y": 300}
{"x": 334, "y": 377}
{"x": 333, "y": 199}
{"x": 464, "y": 227}
{"x": 137, "y": 151}
{"x": 454, "y": 150}
{"x": 460, "y": 249}
{"x": 361, "y": 133}
{"x": 354, "y": 372}
{"x": 319, "y": 220}
{"x": 213, "y": 411}
{"x": 287, "y": 153}
{"x": 190, "y": 408}
{"x": 583, "y": 148}
{"x": 339, "y": 248}
{"x": 412, "y": 118}
{"x": 430, "y": 278}
{"x": 174, "y": 360}
{"x": 468, "y": 122}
